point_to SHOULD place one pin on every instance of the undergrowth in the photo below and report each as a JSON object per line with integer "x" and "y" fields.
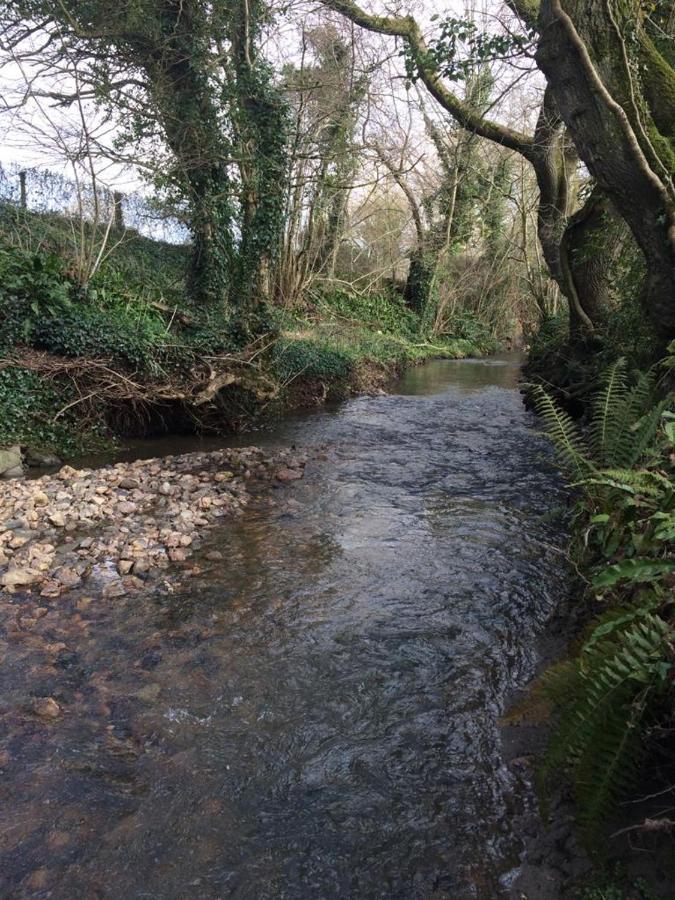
{"x": 132, "y": 315}
{"x": 616, "y": 696}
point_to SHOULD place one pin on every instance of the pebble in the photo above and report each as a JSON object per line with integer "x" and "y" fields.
{"x": 108, "y": 526}
{"x": 46, "y": 708}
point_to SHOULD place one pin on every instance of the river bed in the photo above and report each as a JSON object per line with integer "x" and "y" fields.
{"x": 316, "y": 715}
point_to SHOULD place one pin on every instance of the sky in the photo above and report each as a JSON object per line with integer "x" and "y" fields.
{"x": 40, "y": 135}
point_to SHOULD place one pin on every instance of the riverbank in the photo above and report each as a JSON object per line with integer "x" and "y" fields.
{"x": 556, "y": 862}
{"x": 74, "y": 405}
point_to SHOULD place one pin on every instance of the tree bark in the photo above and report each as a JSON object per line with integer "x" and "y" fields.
{"x": 584, "y": 56}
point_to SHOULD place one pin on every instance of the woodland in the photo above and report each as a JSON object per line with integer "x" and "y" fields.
{"x": 334, "y": 192}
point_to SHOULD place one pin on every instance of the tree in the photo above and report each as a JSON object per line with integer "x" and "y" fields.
{"x": 549, "y": 150}
{"x": 612, "y": 73}
{"x": 185, "y": 75}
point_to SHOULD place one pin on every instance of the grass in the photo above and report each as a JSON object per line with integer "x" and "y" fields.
{"x": 134, "y": 315}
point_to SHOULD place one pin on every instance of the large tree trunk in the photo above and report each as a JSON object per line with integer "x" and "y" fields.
{"x": 617, "y": 131}
{"x": 580, "y": 249}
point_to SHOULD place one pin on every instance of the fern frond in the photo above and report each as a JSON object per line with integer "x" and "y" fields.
{"x": 609, "y": 415}
{"x": 644, "y": 432}
{"x": 563, "y": 431}
{"x": 631, "y": 481}
{"x": 601, "y": 735}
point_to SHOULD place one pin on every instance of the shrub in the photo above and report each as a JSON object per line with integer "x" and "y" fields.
{"x": 618, "y": 689}
{"x": 29, "y": 407}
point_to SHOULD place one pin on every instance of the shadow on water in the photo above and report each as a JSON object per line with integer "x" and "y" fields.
{"x": 316, "y": 715}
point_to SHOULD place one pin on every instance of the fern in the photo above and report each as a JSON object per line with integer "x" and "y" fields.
{"x": 564, "y": 433}
{"x": 606, "y": 693}
{"x": 607, "y": 430}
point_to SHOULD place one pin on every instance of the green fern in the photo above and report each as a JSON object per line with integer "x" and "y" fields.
{"x": 623, "y": 422}
{"x": 607, "y": 429}
{"x": 605, "y": 693}
{"x": 564, "y": 433}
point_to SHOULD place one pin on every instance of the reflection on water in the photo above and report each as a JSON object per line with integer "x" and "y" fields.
{"x": 315, "y": 716}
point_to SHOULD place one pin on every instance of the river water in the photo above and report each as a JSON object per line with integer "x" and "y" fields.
{"x": 317, "y": 716}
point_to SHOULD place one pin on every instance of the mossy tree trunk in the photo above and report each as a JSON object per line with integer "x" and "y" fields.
{"x": 616, "y": 92}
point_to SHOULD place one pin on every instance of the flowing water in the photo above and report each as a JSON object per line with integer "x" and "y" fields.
{"x": 317, "y": 716}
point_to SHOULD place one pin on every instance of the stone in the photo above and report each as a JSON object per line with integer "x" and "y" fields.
{"x": 67, "y": 577}
{"x": 57, "y": 519}
{"x": 40, "y": 498}
{"x": 46, "y": 708}
{"x": 129, "y": 484}
{"x": 41, "y": 458}
{"x": 19, "y": 578}
{"x": 150, "y": 692}
{"x": 10, "y": 459}
{"x": 287, "y": 475}
{"x": 14, "y": 472}
{"x": 214, "y": 555}
{"x": 165, "y": 489}
{"x": 177, "y": 554}
{"x": 124, "y": 566}
{"x": 114, "y": 589}
{"x": 67, "y": 472}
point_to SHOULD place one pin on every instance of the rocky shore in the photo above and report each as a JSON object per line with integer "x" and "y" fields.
{"x": 117, "y": 528}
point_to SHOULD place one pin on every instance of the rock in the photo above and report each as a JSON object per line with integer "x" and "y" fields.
{"x": 67, "y": 472}
{"x": 14, "y": 472}
{"x": 10, "y": 459}
{"x": 165, "y": 489}
{"x": 19, "y": 578}
{"x": 41, "y": 458}
{"x": 213, "y": 555}
{"x": 40, "y": 498}
{"x": 46, "y": 708}
{"x": 129, "y": 484}
{"x": 177, "y": 554}
{"x": 124, "y": 566}
{"x": 86, "y": 543}
{"x": 57, "y": 519}
{"x": 126, "y": 507}
{"x": 114, "y": 589}
{"x": 150, "y": 692}
{"x": 67, "y": 577}
{"x": 289, "y": 474}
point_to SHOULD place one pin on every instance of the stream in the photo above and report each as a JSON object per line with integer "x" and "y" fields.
{"x": 317, "y": 714}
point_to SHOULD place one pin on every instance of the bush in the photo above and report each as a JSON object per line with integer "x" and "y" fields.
{"x": 311, "y": 359}
{"x": 29, "y": 405}
{"x": 384, "y": 311}
{"x": 617, "y": 692}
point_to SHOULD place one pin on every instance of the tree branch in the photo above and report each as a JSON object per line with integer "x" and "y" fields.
{"x": 407, "y": 28}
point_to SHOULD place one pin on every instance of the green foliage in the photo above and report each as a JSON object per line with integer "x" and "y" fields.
{"x": 386, "y": 312}
{"x": 608, "y": 695}
{"x": 460, "y": 46}
{"x": 30, "y": 408}
{"x": 31, "y": 284}
{"x": 311, "y": 359}
{"x": 614, "y": 693}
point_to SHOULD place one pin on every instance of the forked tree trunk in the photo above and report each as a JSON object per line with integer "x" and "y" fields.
{"x": 590, "y": 70}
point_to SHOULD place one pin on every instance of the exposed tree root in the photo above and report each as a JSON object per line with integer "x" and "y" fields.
{"x": 99, "y": 385}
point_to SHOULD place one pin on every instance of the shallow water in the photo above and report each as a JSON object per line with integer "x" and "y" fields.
{"x": 316, "y": 716}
